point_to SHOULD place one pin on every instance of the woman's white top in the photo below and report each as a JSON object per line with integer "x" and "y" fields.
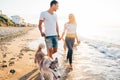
{"x": 71, "y": 28}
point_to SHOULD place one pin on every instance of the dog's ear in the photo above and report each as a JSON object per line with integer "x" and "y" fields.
{"x": 56, "y": 60}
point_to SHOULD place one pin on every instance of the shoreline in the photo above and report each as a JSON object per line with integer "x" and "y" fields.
{"x": 87, "y": 40}
{"x": 7, "y": 33}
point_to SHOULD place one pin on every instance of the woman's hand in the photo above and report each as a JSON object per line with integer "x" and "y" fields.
{"x": 78, "y": 41}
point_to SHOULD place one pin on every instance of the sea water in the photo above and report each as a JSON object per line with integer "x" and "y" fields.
{"x": 106, "y": 34}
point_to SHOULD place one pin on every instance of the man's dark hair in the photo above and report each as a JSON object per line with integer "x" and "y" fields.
{"x": 53, "y": 2}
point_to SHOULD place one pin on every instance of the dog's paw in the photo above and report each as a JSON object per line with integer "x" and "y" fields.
{"x": 42, "y": 79}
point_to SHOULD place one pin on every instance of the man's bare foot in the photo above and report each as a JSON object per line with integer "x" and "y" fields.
{"x": 66, "y": 60}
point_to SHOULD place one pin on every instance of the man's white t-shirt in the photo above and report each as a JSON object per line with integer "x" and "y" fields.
{"x": 49, "y": 23}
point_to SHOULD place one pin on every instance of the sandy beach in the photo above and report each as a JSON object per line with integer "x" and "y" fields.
{"x": 15, "y": 54}
{"x": 92, "y": 60}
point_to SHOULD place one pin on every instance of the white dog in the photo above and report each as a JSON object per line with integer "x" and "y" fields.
{"x": 47, "y": 66}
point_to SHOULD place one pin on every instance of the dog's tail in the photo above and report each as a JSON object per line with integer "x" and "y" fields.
{"x": 40, "y": 47}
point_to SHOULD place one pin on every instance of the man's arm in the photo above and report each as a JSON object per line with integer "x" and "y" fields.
{"x": 57, "y": 28}
{"x": 40, "y": 28}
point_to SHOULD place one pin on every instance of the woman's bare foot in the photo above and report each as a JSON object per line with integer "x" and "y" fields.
{"x": 71, "y": 66}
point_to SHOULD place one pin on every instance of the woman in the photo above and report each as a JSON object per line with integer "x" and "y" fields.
{"x": 71, "y": 35}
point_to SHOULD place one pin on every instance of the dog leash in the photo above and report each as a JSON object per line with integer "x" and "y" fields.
{"x": 54, "y": 75}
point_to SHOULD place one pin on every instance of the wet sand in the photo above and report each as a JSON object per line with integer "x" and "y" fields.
{"x": 92, "y": 63}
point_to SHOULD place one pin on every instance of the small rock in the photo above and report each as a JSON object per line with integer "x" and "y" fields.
{"x": 12, "y": 71}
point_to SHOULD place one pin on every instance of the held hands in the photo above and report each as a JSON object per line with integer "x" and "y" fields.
{"x": 59, "y": 38}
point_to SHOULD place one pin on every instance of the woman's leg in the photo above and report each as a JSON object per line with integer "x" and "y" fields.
{"x": 69, "y": 43}
{"x": 70, "y": 55}
{"x": 72, "y": 40}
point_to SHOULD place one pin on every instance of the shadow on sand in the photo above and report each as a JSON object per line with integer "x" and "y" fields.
{"x": 34, "y": 75}
{"x": 65, "y": 72}
{"x": 31, "y": 75}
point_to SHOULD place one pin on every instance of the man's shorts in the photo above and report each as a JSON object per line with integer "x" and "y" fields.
{"x": 51, "y": 42}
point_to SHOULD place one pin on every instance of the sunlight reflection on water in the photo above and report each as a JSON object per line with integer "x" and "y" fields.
{"x": 110, "y": 35}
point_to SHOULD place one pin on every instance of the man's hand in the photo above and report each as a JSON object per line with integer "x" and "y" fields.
{"x": 42, "y": 34}
{"x": 59, "y": 37}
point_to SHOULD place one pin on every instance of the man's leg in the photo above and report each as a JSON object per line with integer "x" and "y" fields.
{"x": 54, "y": 50}
{"x": 52, "y": 45}
{"x": 50, "y": 52}
{"x": 48, "y": 41}
{"x": 55, "y": 44}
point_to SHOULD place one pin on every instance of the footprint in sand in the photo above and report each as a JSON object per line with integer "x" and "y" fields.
{"x": 20, "y": 57}
{"x": 31, "y": 58}
{"x": 4, "y": 61}
{"x": 30, "y": 54}
{"x": 11, "y": 59}
{"x": 21, "y": 54}
{"x": 4, "y": 55}
{"x": 11, "y": 63}
{"x": 4, "y": 66}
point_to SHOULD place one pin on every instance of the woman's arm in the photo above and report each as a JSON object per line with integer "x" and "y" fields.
{"x": 76, "y": 37}
{"x": 63, "y": 33}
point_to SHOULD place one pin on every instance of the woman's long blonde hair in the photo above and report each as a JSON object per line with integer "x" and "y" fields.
{"x": 72, "y": 18}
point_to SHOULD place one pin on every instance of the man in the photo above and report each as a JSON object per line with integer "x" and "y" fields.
{"x": 51, "y": 32}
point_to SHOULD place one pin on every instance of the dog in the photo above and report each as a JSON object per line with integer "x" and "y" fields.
{"x": 47, "y": 66}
